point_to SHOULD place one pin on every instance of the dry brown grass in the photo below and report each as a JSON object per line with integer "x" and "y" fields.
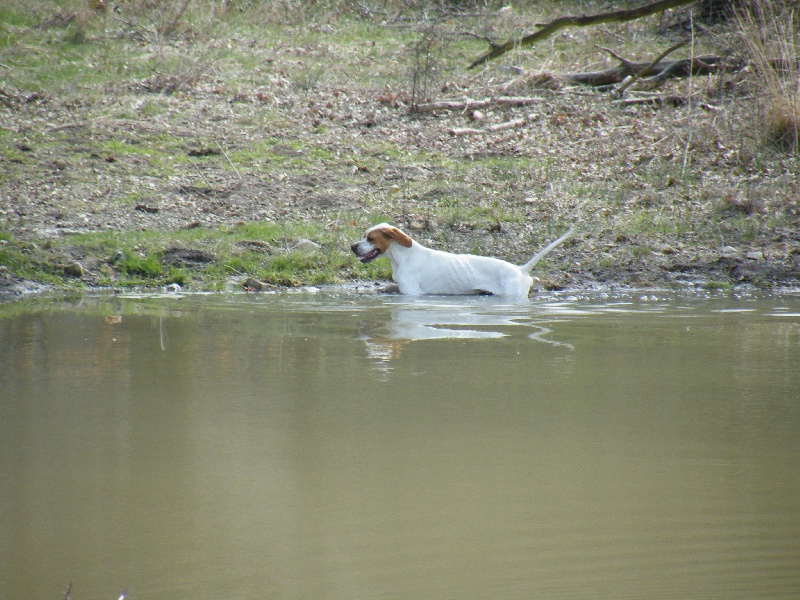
{"x": 771, "y": 33}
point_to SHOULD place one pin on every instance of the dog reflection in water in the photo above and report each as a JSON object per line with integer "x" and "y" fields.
{"x": 385, "y": 341}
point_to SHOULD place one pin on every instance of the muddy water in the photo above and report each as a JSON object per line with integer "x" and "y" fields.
{"x": 345, "y": 447}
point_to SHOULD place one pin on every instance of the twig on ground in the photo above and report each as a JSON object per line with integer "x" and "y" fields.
{"x": 465, "y": 131}
{"x": 672, "y": 100}
{"x": 137, "y": 30}
{"x": 613, "y": 54}
{"x": 475, "y": 104}
{"x": 494, "y": 128}
{"x": 199, "y": 172}
{"x": 513, "y": 123}
{"x": 225, "y": 154}
{"x": 68, "y": 126}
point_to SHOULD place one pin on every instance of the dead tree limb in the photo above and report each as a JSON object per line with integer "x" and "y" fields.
{"x": 512, "y": 123}
{"x": 548, "y": 29}
{"x": 656, "y": 101}
{"x": 496, "y": 127}
{"x": 700, "y": 65}
{"x": 465, "y": 131}
{"x": 465, "y": 105}
{"x": 626, "y": 84}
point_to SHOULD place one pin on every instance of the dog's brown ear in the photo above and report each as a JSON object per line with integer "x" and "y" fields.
{"x": 397, "y": 235}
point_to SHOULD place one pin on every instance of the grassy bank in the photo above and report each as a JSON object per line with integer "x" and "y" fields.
{"x": 202, "y": 143}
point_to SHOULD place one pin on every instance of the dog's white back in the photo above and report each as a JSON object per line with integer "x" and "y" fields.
{"x": 420, "y": 270}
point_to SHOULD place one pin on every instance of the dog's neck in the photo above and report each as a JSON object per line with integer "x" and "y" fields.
{"x": 395, "y": 250}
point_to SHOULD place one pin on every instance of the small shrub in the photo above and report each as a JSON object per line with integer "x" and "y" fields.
{"x": 783, "y": 124}
{"x": 426, "y": 63}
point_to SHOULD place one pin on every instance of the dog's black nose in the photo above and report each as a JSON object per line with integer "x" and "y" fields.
{"x": 354, "y": 247}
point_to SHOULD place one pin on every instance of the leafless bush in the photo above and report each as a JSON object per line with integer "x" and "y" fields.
{"x": 162, "y": 18}
{"x": 426, "y": 63}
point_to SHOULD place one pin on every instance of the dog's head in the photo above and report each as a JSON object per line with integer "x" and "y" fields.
{"x": 377, "y": 241}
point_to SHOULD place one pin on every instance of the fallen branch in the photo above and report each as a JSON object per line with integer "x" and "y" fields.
{"x": 465, "y": 131}
{"x": 496, "y": 127}
{"x": 465, "y": 105}
{"x": 655, "y": 71}
{"x": 630, "y": 81}
{"x": 655, "y": 101}
{"x": 512, "y": 123}
{"x": 548, "y": 29}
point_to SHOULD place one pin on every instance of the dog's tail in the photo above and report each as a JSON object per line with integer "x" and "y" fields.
{"x": 545, "y": 251}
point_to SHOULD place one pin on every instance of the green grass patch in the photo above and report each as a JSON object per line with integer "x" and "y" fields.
{"x": 146, "y": 267}
{"x": 269, "y": 252}
{"x": 120, "y": 148}
{"x": 14, "y": 18}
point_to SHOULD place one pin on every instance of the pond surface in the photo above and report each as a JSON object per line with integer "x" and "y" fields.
{"x": 346, "y": 446}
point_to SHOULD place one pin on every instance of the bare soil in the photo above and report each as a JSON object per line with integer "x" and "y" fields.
{"x": 682, "y": 193}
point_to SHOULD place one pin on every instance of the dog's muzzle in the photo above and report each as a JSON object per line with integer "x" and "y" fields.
{"x": 364, "y": 258}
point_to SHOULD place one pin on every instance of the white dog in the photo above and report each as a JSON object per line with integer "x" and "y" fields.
{"x": 420, "y": 270}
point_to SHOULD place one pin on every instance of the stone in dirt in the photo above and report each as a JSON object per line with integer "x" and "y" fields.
{"x": 74, "y": 269}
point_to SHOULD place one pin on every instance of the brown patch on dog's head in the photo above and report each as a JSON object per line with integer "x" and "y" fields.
{"x": 395, "y": 234}
{"x": 377, "y": 241}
